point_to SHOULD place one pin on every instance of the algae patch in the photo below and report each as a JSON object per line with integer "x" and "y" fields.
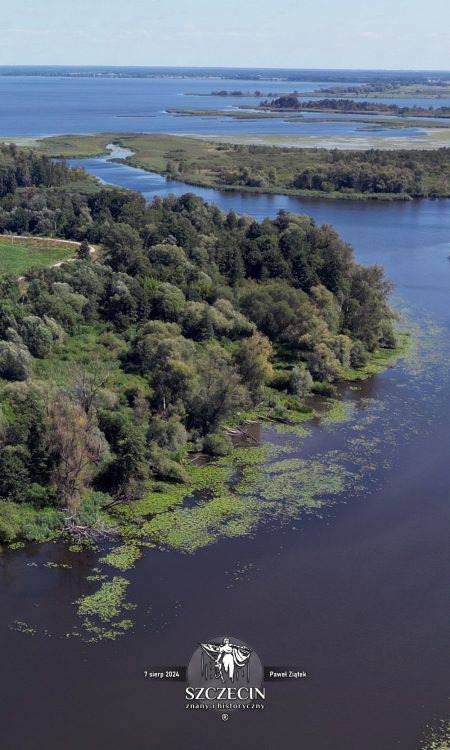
{"x": 123, "y": 557}
{"x": 101, "y": 610}
{"x": 437, "y": 737}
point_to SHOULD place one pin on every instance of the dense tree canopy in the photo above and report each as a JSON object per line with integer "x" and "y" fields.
{"x": 112, "y": 365}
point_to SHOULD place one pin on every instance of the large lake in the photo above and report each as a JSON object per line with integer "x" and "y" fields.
{"x": 48, "y": 105}
{"x": 358, "y": 597}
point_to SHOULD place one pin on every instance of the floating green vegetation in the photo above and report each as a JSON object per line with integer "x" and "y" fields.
{"x": 247, "y": 456}
{"x": 294, "y": 484}
{"x": 206, "y": 508}
{"x": 337, "y": 411}
{"x": 240, "y": 573}
{"x": 160, "y": 498}
{"x": 96, "y": 577}
{"x": 106, "y": 605}
{"x": 23, "y": 627}
{"x": 282, "y": 428}
{"x": 437, "y": 737}
{"x": 188, "y": 529}
{"x": 263, "y": 490}
{"x": 99, "y": 633}
{"x": 75, "y": 548}
{"x": 107, "y": 602}
{"x": 254, "y": 456}
{"x": 123, "y": 557}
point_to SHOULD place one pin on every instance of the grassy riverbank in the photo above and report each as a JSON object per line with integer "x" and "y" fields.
{"x": 246, "y": 167}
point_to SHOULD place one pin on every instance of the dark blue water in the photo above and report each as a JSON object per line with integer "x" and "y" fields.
{"x": 49, "y": 105}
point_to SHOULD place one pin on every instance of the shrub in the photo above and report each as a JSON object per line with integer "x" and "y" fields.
{"x": 324, "y": 389}
{"x": 165, "y": 468}
{"x": 25, "y": 522}
{"x": 359, "y": 355}
{"x": 90, "y": 507}
{"x": 15, "y": 361}
{"x": 280, "y": 380}
{"x": 37, "y": 336}
{"x": 388, "y": 339}
{"x": 323, "y": 364}
{"x": 300, "y": 381}
{"x": 217, "y": 444}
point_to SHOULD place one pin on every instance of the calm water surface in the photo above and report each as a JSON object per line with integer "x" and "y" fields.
{"x": 48, "y": 105}
{"x": 358, "y": 597}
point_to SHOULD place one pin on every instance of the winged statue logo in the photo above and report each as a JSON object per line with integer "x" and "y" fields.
{"x": 224, "y": 674}
{"x": 229, "y": 660}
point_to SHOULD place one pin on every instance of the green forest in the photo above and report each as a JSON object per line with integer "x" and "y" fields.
{"x": 292, "y": 102}
{"x": 116, "y": 366}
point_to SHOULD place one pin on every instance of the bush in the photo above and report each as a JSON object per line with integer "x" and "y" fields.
{"x": 323, "y": 389}
{"x": 280, "y": 380}
{"x": 388, "y": 339}
{"x": 84, "y": 251}
{"x": 341, "y": 346}
{"x": 15, "y": 361}
{"x": 41, "y": 497}
{"x": 323, "y": 364}
{"x": 165, "y": 468}
{"x": 90, "y": 507}
{"x": 300, "y": 381}
{"x": 25, "y": 522}
{"x": 217, "y": 444}
{"x": 37, "y": 336}
{"x": 169, "y": 434}
{"x": 359, "y": 356}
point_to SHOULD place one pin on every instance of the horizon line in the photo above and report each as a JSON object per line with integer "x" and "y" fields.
{"x": 222, "y": 67}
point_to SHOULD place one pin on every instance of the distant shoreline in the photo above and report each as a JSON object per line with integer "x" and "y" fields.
{"x": 304, "y": 75}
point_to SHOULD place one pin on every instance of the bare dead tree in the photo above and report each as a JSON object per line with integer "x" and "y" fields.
{"x": 78, "y": 446}
{"x": 88, "y": 383}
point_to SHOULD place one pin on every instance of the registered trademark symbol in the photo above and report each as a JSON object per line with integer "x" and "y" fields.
{"x": 224, "y": 717}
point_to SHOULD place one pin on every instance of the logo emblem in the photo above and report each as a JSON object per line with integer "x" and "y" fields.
{"x": 229, "y": 660}
{"x": 225, "y": 673}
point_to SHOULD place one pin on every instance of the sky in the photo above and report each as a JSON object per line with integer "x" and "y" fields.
{"x": 389, "y": 34}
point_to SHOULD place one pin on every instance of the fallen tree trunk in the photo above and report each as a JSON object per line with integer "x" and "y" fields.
{"x": 241, "y": 431}
{"x": 89, "y": 533}
{"x": 275, "y": 419}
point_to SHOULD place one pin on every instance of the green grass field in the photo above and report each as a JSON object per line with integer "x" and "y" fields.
{"x": 18, "y": 256}
{"x": 74, "y": 146}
